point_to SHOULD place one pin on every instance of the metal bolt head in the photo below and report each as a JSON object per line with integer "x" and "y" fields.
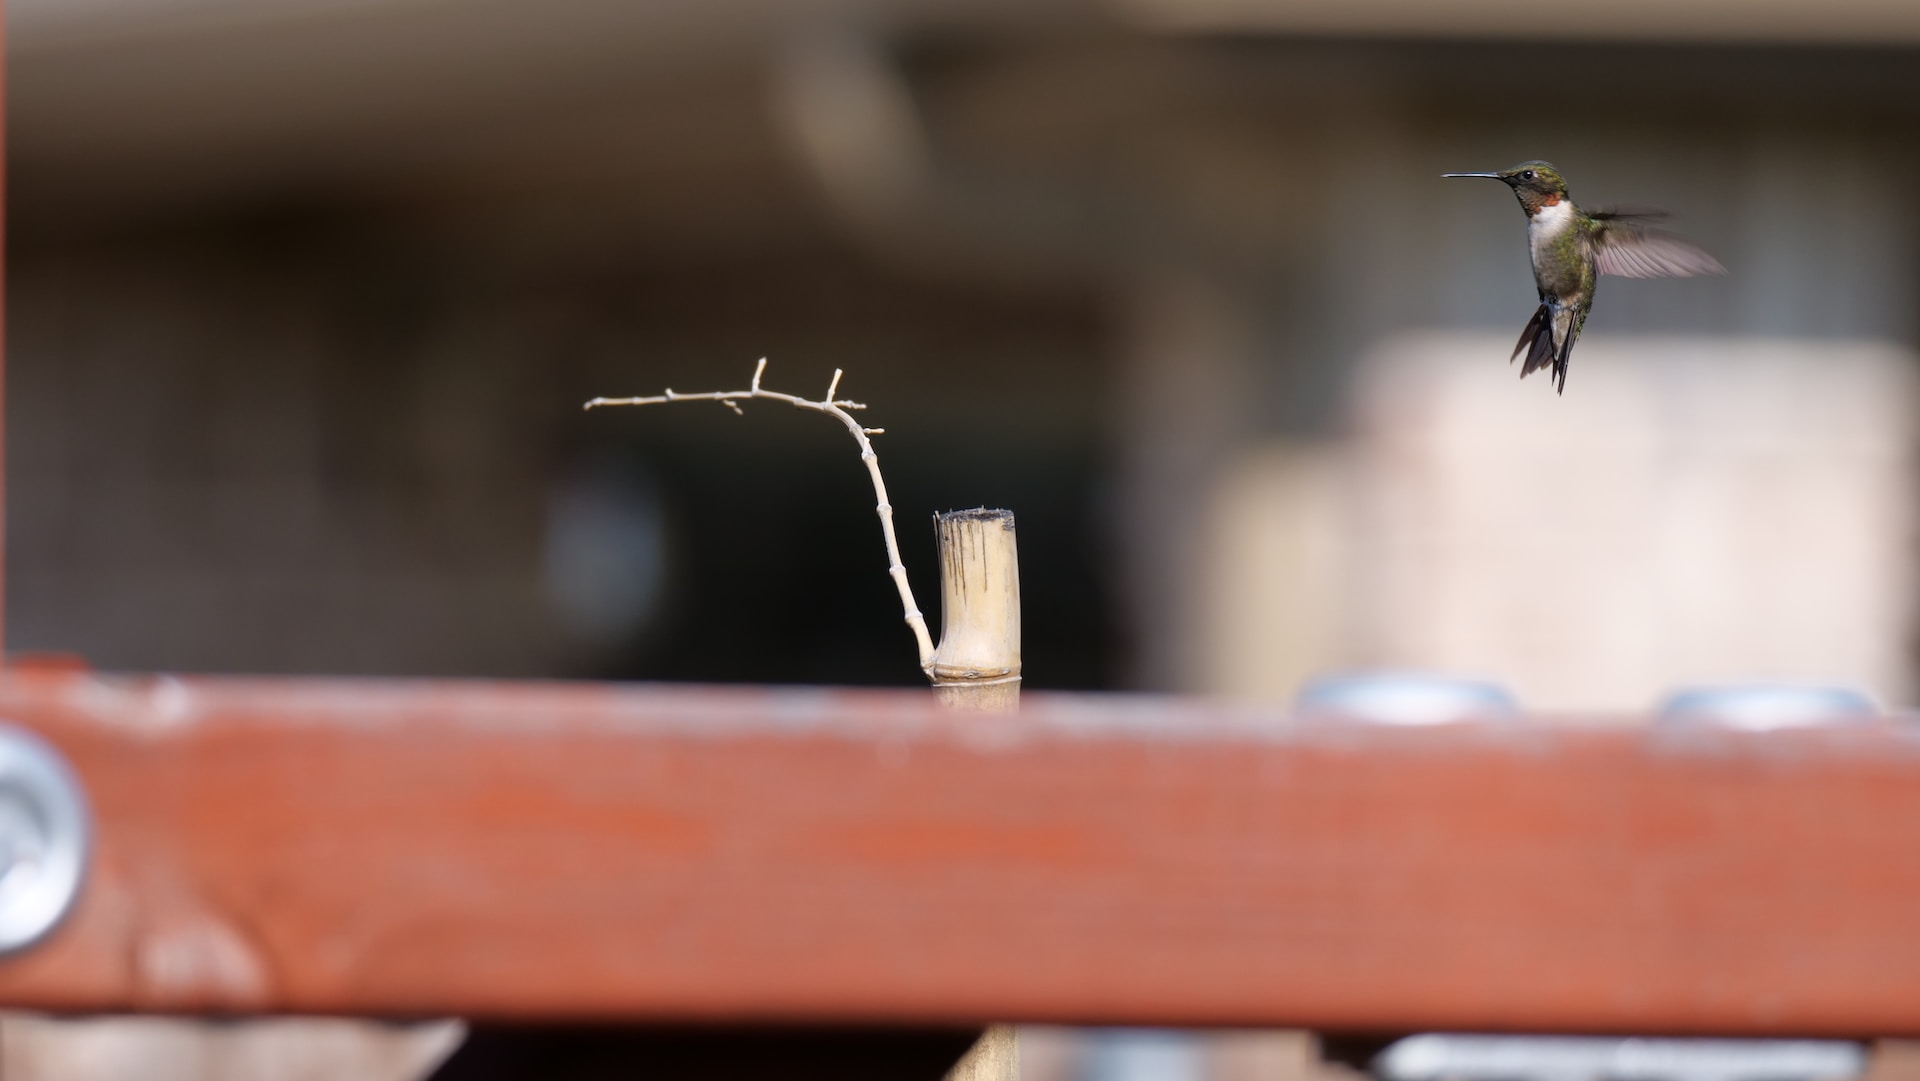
{"x": 45, "y": 834}
{"x": 1405, "y": 698}
{"x": 1764, "y": 707}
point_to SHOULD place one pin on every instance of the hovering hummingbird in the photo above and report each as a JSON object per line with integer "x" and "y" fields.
{"x": 1571, "y": 247}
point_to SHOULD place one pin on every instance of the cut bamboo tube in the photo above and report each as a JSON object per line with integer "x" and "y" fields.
{"x": 995, "y": 1056}
{"x": 977, "y": 665}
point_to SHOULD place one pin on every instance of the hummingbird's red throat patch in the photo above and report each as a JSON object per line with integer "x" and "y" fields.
{"x": 1550, "y": 200}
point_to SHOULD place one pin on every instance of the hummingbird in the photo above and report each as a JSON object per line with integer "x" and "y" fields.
{"x": 1570, "y": 248}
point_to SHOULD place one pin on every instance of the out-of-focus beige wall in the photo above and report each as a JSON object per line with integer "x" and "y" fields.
{"x": 1692, "y": 511}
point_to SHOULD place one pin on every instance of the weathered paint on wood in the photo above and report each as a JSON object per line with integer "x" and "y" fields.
{"x": 555, "y": 851}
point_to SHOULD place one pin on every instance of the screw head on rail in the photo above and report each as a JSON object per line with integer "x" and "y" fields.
{"x": 1405, "y": 698}
{"x": 1764, "y": 707}
{"x": 45, "y": 836}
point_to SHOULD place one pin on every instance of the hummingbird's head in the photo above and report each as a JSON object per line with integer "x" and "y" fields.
{"x": 1537, "y": 184}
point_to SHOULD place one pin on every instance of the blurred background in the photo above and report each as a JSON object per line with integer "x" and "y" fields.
{"x": 304, "y": 296}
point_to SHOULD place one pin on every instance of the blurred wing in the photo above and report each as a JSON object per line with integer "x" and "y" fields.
{"x": 1625, "y": 249}
{"x": 1627, "y": 214}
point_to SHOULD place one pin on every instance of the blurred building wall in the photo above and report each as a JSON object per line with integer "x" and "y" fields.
{"x": 294, "y": 367}
{"x": 1713, "y": 510}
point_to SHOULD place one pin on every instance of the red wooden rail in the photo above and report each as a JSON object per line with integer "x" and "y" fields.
{"x": 568, "y": 851}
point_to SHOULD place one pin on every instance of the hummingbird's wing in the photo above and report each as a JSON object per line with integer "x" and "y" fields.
{"x": 1628, "y": 214}
{"x": 1625, "y": 247}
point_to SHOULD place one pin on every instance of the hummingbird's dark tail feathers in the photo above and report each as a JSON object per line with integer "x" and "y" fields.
{"x": 1537, "y": 340}
{"x": 1534, "y": 326}
{"x": 1560, "y": 362}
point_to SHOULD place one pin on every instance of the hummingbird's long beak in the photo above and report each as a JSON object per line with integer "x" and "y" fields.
{"x": 1489, "y": 176}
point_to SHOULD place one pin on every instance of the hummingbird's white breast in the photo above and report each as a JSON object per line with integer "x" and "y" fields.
{"x": 1550, "y": 221}
{"x": 1548, "y": 224}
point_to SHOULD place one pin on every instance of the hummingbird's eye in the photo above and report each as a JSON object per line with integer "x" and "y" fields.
{"x": 1528, "y": 175}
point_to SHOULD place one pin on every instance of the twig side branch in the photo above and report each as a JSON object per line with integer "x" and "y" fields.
{"x": 838, "y": 409}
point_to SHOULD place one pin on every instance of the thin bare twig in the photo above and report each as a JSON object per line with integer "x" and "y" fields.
{"x": 839, "y": 410}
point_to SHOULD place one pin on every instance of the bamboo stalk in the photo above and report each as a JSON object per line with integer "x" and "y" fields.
{"x": 995, "y": 1056}
{"x": 977, "y": 665}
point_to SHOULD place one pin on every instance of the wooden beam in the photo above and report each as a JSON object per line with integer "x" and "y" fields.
{"x": 560, "y": 851}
